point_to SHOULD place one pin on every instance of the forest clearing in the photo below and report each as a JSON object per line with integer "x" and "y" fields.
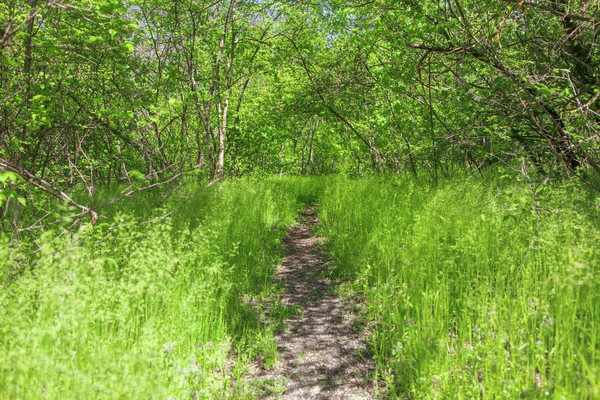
{"x": 248, "y": 199}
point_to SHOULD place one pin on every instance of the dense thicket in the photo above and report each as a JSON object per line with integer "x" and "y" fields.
{"x": 110, "y": 91}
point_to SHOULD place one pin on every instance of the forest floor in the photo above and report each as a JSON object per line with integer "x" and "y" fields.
{"x": 322, "y": 349}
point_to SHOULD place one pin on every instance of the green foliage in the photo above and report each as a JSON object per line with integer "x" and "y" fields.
{"x": 6, "y": 178}
{"x": 474, "y": 288}
{"x": 123, "y": 310}
{"x": 99, "y": 88}
{"x": 126, "y": 106}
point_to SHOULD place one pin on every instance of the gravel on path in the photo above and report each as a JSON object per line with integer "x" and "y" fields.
{"x": 321, "y": 356}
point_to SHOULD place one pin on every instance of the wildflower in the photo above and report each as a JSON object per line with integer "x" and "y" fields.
{"x": 193, "y": 365}
{"x": 168, "y": 347}
{"x": 548, "y": 321}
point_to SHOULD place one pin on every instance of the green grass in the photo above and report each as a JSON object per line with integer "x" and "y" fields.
{"x": 123, "y": 310}
{"x": 474, "y": 288}
{"x": 484, "y": 287}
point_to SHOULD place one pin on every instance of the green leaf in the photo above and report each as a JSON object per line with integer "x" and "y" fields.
{"x": 135, "y": 174}
{"x": 130, "y": 46}
{"x": 9, "y": 176}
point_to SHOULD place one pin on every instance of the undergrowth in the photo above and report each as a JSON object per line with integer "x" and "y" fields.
{"x": 130, "y": 310}
{"x": 475, "y": 288}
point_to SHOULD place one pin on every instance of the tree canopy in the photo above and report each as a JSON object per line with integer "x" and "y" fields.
{"x": 114, "y": 91}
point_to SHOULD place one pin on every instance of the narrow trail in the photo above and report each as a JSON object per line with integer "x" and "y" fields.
{"x": 320, "y": 355}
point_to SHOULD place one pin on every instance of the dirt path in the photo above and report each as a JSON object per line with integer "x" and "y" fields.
{"x": 320, "y": 355}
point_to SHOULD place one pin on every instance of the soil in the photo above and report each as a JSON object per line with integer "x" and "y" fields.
{"x": 322, "y": 354}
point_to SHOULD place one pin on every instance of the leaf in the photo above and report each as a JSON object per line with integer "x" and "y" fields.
{"x": 9, "y": 176}
{"x": 135, "y": 174}
{"x": 130, "y": 46}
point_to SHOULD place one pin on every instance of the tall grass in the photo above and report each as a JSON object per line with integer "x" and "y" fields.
{"x": 123, "y": 310}
{"x": 474, "y": 288}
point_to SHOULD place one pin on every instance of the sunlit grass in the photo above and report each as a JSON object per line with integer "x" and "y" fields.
{"x": 123, "y": 310}
{"x": 474, "y": 288}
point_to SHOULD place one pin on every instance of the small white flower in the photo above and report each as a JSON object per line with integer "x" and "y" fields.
{"x": 168, "y": 347}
